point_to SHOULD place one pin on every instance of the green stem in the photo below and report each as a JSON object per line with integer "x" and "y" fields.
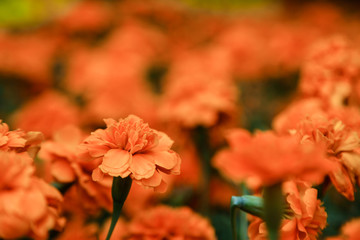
{"x": 273, "y": 203}
{"x": 201, "y": 140}
{"x": 119, "y": 191}
{"x": 248, "y": 204}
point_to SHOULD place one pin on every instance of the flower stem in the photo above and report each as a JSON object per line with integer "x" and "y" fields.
{"x": 201, "y": 140}
{"x": 273, "y": 211}
{"x": 119, "y": 191}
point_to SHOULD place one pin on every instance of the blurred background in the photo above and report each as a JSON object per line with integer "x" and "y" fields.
{"x": 76, "y": 62}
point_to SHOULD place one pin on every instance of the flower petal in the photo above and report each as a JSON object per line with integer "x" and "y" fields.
{"x": 116, "y": 163}
{"x": 153, "y": 181}
{"x": 142, "y": 166}
{"x": 62, "y": 171}
{"x": 165, "y": 159}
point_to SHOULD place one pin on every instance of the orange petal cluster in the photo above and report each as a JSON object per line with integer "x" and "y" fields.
{"x": 266, "y": 159}
{"x": 130, "y": 147}
{"x": 28, "y": 206}
{"x": 198, "y": 92}
{"x": 304, "y": 217}
{"x": 19, "y": 141}
{"x": 46, "y": 113}
{"x": 65, "y": 165}
{"x": 164, "y": 222}
{"x": 342, "y": 144}
{"x": 331, "y": 71}
{"x": 349, "y": 231}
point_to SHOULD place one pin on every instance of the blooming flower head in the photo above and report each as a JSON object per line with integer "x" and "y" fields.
{"x": 331, "y": 71}
{"x": 164, "y": 222}
{"x": 304, "y": 217}
{"x": 28, "y": 206}
{"x": 342, "y": 143}
{"x": 349, "y": 231}
{"x": 19, "y": 140}
{"x": 130, "y": 147}
{"x": 47, "y": 113}
{"x": 65, "y": 165}
{"x": 198, "y": 93}
{"x": 266, "y": 159}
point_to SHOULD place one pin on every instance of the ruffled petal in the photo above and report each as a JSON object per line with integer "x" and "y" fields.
{"x": 142, "y": 166}
{"x": 116, "y": 163}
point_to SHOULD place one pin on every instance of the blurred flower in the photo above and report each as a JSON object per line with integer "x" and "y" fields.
{"x": 198, "y": 92}
{"x": 304, "y": 217}
{"x": 266, "y": 159}
{"x": 77, "y": 228}
{"x": 27, "y": 55}
{"x": 46, "y": 113}
{"x": 28, "y": 206}
{"x": 349, "y": 231}
{"x": 120, "y": 231}
{"x": 164, "y": 222}
{"x": 91, "y": 74}
{"x": 289, "y": 118}
{"x": 331, "y": 71}
{"x": 130, "y": 147}
{"x": 86, "y": 16}
{"x": 65, "y": 166}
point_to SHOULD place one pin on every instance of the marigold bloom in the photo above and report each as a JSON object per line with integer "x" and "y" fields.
{"x": 304, "y": 217}
{"x": 164, "y": 222}
{"x": 266, "y": 159}
{"x": 19, "y": 141}
{"x": 65, "y": 165}
{"x": 331, "y": 71}
{"x": 47, "y": 113}
{"x": 78, "y": 229}
{"x": 28, "y": 206}
{"x": 349, "y": 231}
{"x": 130, "y": 147}
{"x": 197, "y": 94}
{"x": 342, "y": 144}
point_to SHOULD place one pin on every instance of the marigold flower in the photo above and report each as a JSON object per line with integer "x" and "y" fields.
{"x": 342, "y": 144}
{"x": 164, "y": 222}
{"x": 28, "y": 206}
{"x": 197, "y": 94}
{"x": 331, "y": 71}
{"x": 78, "y": 228}
{"x": 304, "y": 217}
{"x": 266, "y": 159}
{"x": 19, "y": 140}
{"x": 65, "y": 165}
{"x": 130, "y": 147}
{"x": 349, "y": 231}
{"x": 47, "y": 113}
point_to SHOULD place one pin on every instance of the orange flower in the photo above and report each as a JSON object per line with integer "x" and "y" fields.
{"x": 66, "y": 166}
{"x": 342, "y": 144}
{"x": 19, "y": 140}
{"x": 266, "y": 159}
{"x": 78, "y": 229}
{"x": 46, "y": 113}
{"x": 120, "y": 231}
{"x": 304, "y": 217}
{"x": 167, "y": 223}
{"x": 130, "y": 147}
{"x": 196, "y": 93}
{"x": 349, "y": 231}
{"x": 331, "y": 71}
{"x": 28, "y": 206}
